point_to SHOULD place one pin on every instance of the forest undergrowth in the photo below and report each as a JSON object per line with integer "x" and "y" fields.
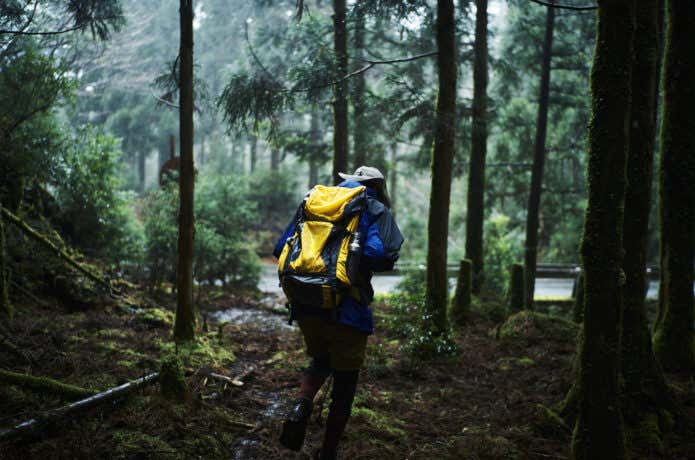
{"x": 488, "y": 401}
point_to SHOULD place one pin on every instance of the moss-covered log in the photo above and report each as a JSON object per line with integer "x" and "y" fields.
{"x": 34, "y": 426}
{"x": 461, "y": 303}
{"x": 5, "y": 306}
{"x": 645, "y": 390}
{"x": 674, "y": 336}
{"x": 516, "y": 288}
{"x": 44, "y": 385}
{"x": 598, "y": 433}
{"x": 38, "y": 237}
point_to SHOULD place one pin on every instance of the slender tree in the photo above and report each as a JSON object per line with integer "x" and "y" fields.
{"x": 598, "y": 433}
{"x": 476, "y": 173}
{"x": 644, "y": 381}
{"x": 534, "y": 200}
{"x": 340, "y": 103}
{"x": 674, "y": 336}
{"x": 442, "y": 161}
{"x": 185, "y": 319}
{"x": 5, "y": 306}
{"x": 254, "y": 147}
{"x": 360, "y": 131}
{"x": 315, "y": 135}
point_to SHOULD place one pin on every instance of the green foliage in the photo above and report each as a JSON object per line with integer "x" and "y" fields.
{"x": 409, "y": 320}
{"x": 95, "y": 213}
{"x": 224, "y": 249}
{"x": 502, "y": 248}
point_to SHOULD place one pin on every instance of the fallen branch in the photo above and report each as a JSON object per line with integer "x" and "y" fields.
{"x": 36, "y": 236}
{"x": 33, "y": 426}
{"x": 235, "y": 381}
{"x": 27, "y": 293}
{"x": 44, "y": 385}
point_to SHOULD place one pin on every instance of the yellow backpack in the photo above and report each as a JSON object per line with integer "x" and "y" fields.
{"x": 319, "y": 263}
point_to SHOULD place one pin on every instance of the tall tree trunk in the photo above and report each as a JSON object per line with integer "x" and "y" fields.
{"x": 315, "y": 129}
{"x": 393, "y": 178}
{"x": 360, "y": 128}
{"x": 534, "y": 200}
{"x": 142, "y": 157}
{"x": 5, "y": 306}
{"x": 340, "y": 103}
{"x": 674, "y": 335}
{"x": 185, "y": 319}
{"x": 274, "y": 158}
{"x": 442, "y": 161}
{"x": 476, "y": 173}
{"x": 599, "y": 429}
{"x": 254, "y": 149}
{"x": 645, "y": 387}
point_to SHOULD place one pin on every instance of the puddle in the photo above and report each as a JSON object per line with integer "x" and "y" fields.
{"x": 246, "y": 449}
{"x": 250, "y": 315}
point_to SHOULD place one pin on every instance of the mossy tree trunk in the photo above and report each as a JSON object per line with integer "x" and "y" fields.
{"x": 5, "y": 306}
{"x": 644, "y": 381}
{"x": 360, "y": 131}
{"x": 461, "y": 303}
{"x": 534, "y": 200}
{"x": 598, "y": 433}
{"x": 674, "y": 336}
{"x": 340, "y": 102}
{"x": 516, "y": 288}
{"x": 476, "y": 172}
{"x": 442, "y": 161}
{"x": 184, "y": 325}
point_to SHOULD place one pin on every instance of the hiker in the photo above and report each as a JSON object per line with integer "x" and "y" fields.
{"x": 335, "y": 321}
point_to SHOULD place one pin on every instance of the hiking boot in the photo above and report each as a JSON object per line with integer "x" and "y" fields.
{"x": 294, "y": 427}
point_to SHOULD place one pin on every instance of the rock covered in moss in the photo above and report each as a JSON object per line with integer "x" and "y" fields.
{"x": 529, "y": 328}
{"x": 172, "y": 382}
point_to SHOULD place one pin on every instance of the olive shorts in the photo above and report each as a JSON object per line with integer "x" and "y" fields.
{"x": 344, "y": 344}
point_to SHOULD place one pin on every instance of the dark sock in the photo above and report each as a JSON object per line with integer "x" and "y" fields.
{"x": 344, "y": 387}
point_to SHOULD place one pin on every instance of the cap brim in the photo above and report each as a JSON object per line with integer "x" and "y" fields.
{"x": 355, "y": 178}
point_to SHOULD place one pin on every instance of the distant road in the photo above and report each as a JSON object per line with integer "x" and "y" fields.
{"x": 545, "y": 287}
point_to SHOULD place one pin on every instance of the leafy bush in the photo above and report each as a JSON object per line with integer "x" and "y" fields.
{"x": 503, "y": 247}
{"x": 95, "y": 214}
{"x": 223, "y": 247}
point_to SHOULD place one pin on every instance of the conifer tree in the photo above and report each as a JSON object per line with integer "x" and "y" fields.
{"x": 599, "y": 432}
{"x": 442, "y": 160}
{"x": 674, "y": 337}
{"x": 476, "y": 173}
{"x": 340, "y": 102}
{"x": 185, "y": 320}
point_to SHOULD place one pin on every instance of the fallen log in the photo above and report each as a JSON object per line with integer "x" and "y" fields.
{"x": 5, "y": 344}
{"x": 237, "y": 381}
{"x": 33, "y": 426}
{"x": 38, "y": 237}
{"x": 44, "y": 385}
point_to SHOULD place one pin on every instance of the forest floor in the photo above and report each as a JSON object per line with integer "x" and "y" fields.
{"x": 485, "y": 403}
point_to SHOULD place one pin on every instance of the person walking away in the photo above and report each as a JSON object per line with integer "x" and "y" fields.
{"x": 336, "y": 240}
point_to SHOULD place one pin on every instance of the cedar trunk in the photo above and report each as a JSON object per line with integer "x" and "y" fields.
{"x": 476, "y": 173}
{"x": 5, "y": 306}
{"x": 534, "y": 199}
{"x": 185, "y": 319}
{"x": 315, "y": 134}
{"x": 360, "y": 129}
{"x": 674, "y": 336}
{"x": 644, "y": 381}
{"x": 442, "y": 160}
{"x": 599, "y": 432}
{"x": 340, "y": 103}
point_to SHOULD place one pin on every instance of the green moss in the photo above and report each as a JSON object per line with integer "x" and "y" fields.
{"x": 43, "y": 385}
{"x": 113, "y": 333}
{"x": 156, "y": 317}
{"x": 528, "y": 328}
{"x": 378, "y": 420}
{"x": 205, "y": 350}
{"x": 550, "y": 423}
{"x": 135, "y": 444}
{"x": 172, "y": 382}
{"x": 647, "y": 433}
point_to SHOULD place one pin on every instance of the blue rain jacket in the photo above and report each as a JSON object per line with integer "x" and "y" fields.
{"x": 380, "y": 251}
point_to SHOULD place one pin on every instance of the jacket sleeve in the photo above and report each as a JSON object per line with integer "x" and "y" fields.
{"x": 289, "y": 231}
{"x": 384, "y": 239}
